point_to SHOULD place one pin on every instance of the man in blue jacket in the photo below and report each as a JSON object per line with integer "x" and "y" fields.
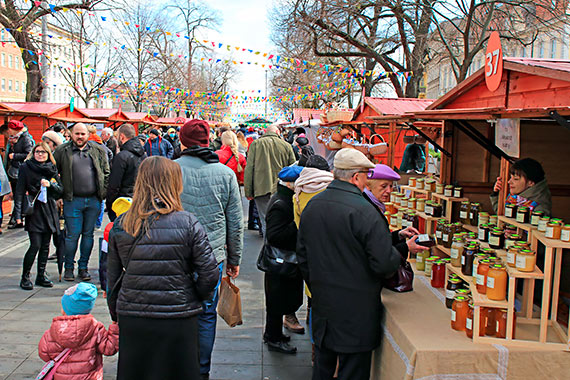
{"x": 157, "y": 146}
{"x": 212, "y": 194}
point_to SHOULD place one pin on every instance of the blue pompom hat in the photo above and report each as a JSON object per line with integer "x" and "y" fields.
{"x": 79, "y": 299}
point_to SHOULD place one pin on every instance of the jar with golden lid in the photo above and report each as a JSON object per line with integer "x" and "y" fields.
{"x": 420, "y": 204}
{"x": 553, "y": 230}
{"x": 390, "y": 207}
{"x": 439, "y": 188}
{"x": 481, "y": 275}
{"x": 420, "y": 183}
{"x": 489, "y": 251}
{"x": 446, "y": 236}
{"x": 511, "y": 240}
{"x": 497, "y": 279}
{"x": 429, "y": 264}
{"x": 421, "y": 257}
{"x": 429, "y": 208}
{"x": 458, "y": 192}
{"x": 394, "y": 220}
{"x": 474, "y": 213}
{"x": 437, "y": 211}
{"x": 467, "y": 261}
{"x": 483, "y": 218}
{"x": 478, "y": 258}
{"x": 459, "y": 311}
{"x": 526, "y": 260}
{"x": 412, "y": 203}
{"x": 483, "y": 232}
{"x": 448, "y": 191}
{"x": 439, "y": 231}
{"x": 464, "y": 212}
{"x": 456, "y": 252}
{"x": 535, "y": 217}
{"x": 412, "y": 181}
{"x": 429, "y": 185}
{"x": 512, "y": 255}
{"x": 543, "y": 223}
{"x": 452, "y": 285}
{"x": 565, "y": 233}
{"x": 502, "y": 317}
{"x": 509, "y": 229}
{"x": 496, "y": 239}
{"x": 511, "y": 210}
{"x": 493, "y": 219}
{"x": 523, "y": 215}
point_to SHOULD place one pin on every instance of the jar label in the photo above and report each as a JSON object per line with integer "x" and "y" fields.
{"x": 448, "y": 193}
{"x": 438, "y": 234}
{"x": 463, "y": 214}
{"x": 429, "y": 210}
{"x": 534, "y": 220}
{"x": 470, "y": 215}
{"x": 454, "y": 253}
{"x": 453, "y": 315}
{"x": 479, "y": 279}
{"x": 469, "y": 324}
{"x": 549, "y": 232}
{"x": 449, "y": 294}
{"x": 445, "y": 237}
{"x": 494, "y": 240}
{"x": 431, "y": 274}
{"x": 520, "y": 217}
{"x": 481, "y": 235}
{"x": 462, "y": 260}
{"x": 565, "y": 235}
{"x": 457, "y": 194}
{"x": 511, "y": 258}
{"x": 419, "y": 259}
{"x": 542, "y": 226}
{"x": 521, "y": 261}
{"x": 509, "y": 212}
{"x": 490, "y": 282}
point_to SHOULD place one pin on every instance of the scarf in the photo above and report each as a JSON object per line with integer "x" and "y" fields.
{"x": 312, "y": 180}
{"x": 204, "y": 153}
{"x": 375, "y": 200}
{"x": 45, "y": 169}
{"x": 14, "y": 139}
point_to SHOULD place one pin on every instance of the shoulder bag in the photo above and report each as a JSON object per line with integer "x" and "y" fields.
{"x": 403, "y": 280}
{"x": 28, "y": 203}
{"x": 50, "y": 368}
{"x": 277, "y": 261}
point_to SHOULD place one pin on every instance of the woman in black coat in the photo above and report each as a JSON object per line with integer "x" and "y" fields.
{"x": 283, "y": 295}
{"x": 37, "y": 172}
{"x": 170, "y": 270}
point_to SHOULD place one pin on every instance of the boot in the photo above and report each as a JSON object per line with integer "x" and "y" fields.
{"x": 25, "y": 282}
{"x": 42, "y": 279}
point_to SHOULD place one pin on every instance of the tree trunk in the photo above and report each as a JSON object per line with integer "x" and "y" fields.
{"x": 35, "y": 86}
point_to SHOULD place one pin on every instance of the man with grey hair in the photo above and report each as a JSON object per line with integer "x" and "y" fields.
{"x": 266, "y": 157}
{"x": 109, "y": 140}
{"x": 344, "y": 249}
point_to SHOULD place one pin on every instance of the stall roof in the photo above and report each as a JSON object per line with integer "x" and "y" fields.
{"x": 393, "y": 106}
{"x": 170, "y": 120}
{"x": 306, "y": 114}
{"x": 110, "y": 114}
{"x": 53, "y": 111}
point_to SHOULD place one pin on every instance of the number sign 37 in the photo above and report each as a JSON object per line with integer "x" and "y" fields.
{"x": 493, "y": 62}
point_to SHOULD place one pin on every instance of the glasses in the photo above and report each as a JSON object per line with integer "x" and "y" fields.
{"x": 40, "y": 152}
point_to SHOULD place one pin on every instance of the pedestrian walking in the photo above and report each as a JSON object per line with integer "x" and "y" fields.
{"x": 53, "y": 139}
{"x": 79, "y": 337}
{"x": 125, "y": 167}
{"x": 211, "y": 193}
{"x": 266, "y": 157}
{"x": 169, "y": 270}
{"x": 344, "y": 249}
{"x": 40, "y": 187}
{"x": 230, "y": 156}
{"x": 84, "y": 172}
{"x": 216, "y": 143}
{"x": 157, "y": 146}
{"x": 243, "y": 144}
{"x": 109, "y": 140}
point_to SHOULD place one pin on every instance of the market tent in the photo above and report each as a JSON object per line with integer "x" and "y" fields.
{"x": 303, "y": 114}
{"x": 115, "y": 117}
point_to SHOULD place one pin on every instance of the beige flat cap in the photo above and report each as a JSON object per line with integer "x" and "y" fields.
{"x": 348, "y": 158}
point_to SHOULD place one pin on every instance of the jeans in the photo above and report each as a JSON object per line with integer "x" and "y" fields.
{"x": 80, "y": 216}
{"x": 207, "y": 328}
{"x": 262, "y": 203}
{"x": 100, "y": 217}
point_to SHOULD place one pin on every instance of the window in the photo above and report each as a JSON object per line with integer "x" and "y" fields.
{"x": 541, "y": 50}
{"x": 17, "y": 83}
{"x": 564, "y": 50}
{"x": 553, "y": 48}
{"x": 3, "y": 84}
{"x": 23, "y": 87}
{"x": 523, "y": 51}
{"x": 3, "y": 59}
{"x": 10, "y": 85}
{"x": 10, "y": 61}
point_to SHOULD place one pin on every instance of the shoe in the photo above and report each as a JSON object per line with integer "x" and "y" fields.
{"x": 83, "y": 275}
{"x": 43, "y": 281}
{"x": 15, "y": 225}
{"x": 53, "y": 256}
{"x": 292, "y": 324}
{"x": 284, "y": 338}
{"x": 68, "y": 274}
{"x": 253, "y": 227}
{"x": 25, "y": 282}
{"x": 204, "y": 376}
{"x": 98, "y": 228}
{"x": 283, "y": 347}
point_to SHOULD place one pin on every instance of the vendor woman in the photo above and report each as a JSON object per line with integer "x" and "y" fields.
{"x": 527, "y": 187}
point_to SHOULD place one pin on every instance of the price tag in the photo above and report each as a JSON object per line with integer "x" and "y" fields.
{"x": 490, "y": 282}
{"x": 453, "y": 315}
{"x": 469, "y": 324}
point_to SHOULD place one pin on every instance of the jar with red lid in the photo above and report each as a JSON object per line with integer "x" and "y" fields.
{"x": 438, "y": 274}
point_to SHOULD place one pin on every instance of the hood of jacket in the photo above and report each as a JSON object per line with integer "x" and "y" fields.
{"x": 540, "y": 193}
{"x": 134, "y": 146}
{"x": 73, "y": 330}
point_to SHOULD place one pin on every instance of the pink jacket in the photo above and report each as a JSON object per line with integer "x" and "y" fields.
{"x": 88, "y": 341}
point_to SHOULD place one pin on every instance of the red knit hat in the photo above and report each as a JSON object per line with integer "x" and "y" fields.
{"x": 16, "y": 125}
{"x": 195, "y": 132}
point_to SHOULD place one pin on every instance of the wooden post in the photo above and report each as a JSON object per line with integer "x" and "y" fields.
{"x": 504, "y": 174}
{"x": 391, "y": 143}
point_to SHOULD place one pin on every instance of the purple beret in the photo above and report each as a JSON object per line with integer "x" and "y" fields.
{"x": 381, "y": 171}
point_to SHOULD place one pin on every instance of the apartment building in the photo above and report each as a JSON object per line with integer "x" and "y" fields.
{"x": 12, "y": 70}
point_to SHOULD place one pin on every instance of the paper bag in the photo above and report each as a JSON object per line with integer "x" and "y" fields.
{"x": 229, "y": 304}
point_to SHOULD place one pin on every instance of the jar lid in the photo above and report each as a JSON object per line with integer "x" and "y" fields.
{"x": 567, "y": 226}
{"x": 461, "y": 298}
{"x": 556, "y": 223}
{"x": 538, "y": 213}
{"x": 486, "y": 261}
{"x": 493, "y": 258}
{"x": 510, "y": 205}
{"x": 499, "y": 266}
{"x": 455, "y": 280}
{"x": 527, "y": 251}
{"x": 483, "y": 213}
{"x": 446, "y": 260}
{"x": 497, "y": 231}
{"x": 493, "y": 216}
{"x": 546, "y": 218}
{"x": 458, "y": 188}
{"x": 465, "y": 202}
{"x": 449, "y": 187}
{"x": 458, "y": 239}
{"x": 488, "y": 250}
{"x": 412, "y": 199}
{"x": 510, "y": 227}
{"x": 523, "y": 208}
{"x": 556, "y": 220}
{"x": 432, "y": 258}
{"x": 420, "y": 179}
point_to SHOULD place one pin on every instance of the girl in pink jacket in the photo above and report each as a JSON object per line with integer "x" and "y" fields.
{"x": 77, "y": 330}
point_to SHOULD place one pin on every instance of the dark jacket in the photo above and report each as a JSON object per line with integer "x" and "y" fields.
{"x": 112, "y": 145}
{"x": 45, "y": 217}
{"x": 344, "y": 250}
{"x": 165, "y": 149}
{"x": 171, "y": 271}
{"x": 64, "y": 158}
{"x": 21, "y": 149}
{"x": 124, "y": 170}
{"x": 283, "y": 295}
{"x": 216, "y": 144}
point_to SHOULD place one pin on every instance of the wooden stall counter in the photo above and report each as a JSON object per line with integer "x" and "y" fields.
{"x": 418, "y": 343}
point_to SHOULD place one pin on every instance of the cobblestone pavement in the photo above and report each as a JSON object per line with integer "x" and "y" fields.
{"x": 238, "y": 352}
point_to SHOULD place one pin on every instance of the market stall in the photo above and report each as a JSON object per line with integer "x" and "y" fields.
{"x": 113, "y": 117}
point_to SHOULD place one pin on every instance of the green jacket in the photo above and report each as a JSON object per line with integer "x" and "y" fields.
{"x": 266, "y": 157}
{"x": 540, "y": 193}
{"x": 64, "y": 159}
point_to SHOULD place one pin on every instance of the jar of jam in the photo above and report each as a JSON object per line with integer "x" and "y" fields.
{"x": 511, "y": 240}
{"x": 501, "y": 316}
{"x": 412, "y": 181}
{"x": 512, "y": 256}
{"x": 452, "y": 285}
{"x": 478, "y": 258}
{"x": 394, "y": 220}
{"x": 483, "y": 232}
{"x": 497, "y": 283}
{"x": 439, "y": 188}
{"x": 471, "y": 319}
{"x": 481, "y": 276}
{"x": 493, "y": 219}
{"x": 474, "y": 213}
{"x": 420, "y": 204}
{"x": 511, "y": 210}
{"x": 412, "y": 203}
{"x": 483, "y": 218}
{"x": 565, "y": 233}
{"x": 421, "y": 257}
{"x": 429, "y": 185}
{"x": 390, "y": 207}
{"x": 429, "y": 208}
{"x": 543, "y": 223}
{"x": 439, "y": 231}
{"x": 446, "y": 236}
{"x": 526, "y": 260}
{"x": 535, "y": 217}
{"x": 467, "y": 261}
{"x": 459, "y": 313}
{"x": 437, "y": 211}
{"x": 509, "y": 230}
{"x": 429, "y": 264}
{"x": 464, "y": 213}
{"x": 553, "y": 230}
{"x": 496, "y": 239}
{"x": 523, "y": 215}
{"x": 456, "y": 251}
{"x": 458, "y": 192}
{"x": 491, "y": 324}
{"x": 448, "y": 191}
{"x": 463, "y": 292}
{"x": 413, "y": 220}
{"x": 420, "y": 183}
{"x": 438, "y": 274}
{"x": 523, "y": 244}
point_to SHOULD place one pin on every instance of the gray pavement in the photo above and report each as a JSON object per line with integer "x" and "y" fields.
{"x": 238, "y": 352}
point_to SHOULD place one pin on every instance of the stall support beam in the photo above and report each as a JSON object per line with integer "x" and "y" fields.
{"x": 560, "y": 119}
{"x": 421, "y": 133}
{"x": 480, "y": 139}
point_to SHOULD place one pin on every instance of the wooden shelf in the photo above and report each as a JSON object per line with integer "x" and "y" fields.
{"x": 451, "y": 199}
{"x": 428, "y": 217}
{"x": 513, "y": 272}
{"x": 414, "y": 190}
{"x": 550, "y": 243}
{"x": 478, "y": 299}
{"x": 471, "y": 228}
{"x": 447, "y": 251}
{"x": 523, "y": 226}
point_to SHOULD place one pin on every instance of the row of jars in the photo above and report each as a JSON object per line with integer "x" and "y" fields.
{"x": 428, "y": 207}
{"x": 403, "y": 218}
{"x": 431, "y": 185}
{"x": 492, "y": 321}
{"x": 553, "y": 228}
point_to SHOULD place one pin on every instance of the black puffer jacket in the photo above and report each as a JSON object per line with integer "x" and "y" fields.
{"x": 171, "y": 271}
{"x": 124, "y": 170}
{"x": 21, "y": 149}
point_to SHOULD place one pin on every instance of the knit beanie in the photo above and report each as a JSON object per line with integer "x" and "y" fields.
{"x": 531, "y": 169}
{"x": 195, "y": 132}
{"x": 16, "y": 125}
{"x": 53, "y": 137}
{"x": 79, "y": 299}
{"x": 155, "y": 132}
{"x": 319, "y": 162}
{"x": 302, "y": 141}
{"x": 290, "y": 173}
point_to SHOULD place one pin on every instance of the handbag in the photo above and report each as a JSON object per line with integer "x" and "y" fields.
{"x": 50, "y": 368}
{"x": 13, "y": 173}
{"x": 28, "y": 204}
{"x": 403, "y": 280}
{"x": 277, "y": 261}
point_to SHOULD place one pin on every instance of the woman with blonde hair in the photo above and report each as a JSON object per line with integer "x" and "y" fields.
{"x": 38, "y": 179}
{"x": 229, "y": 155}
{"x": 243, "y": 144}
{"x": 169, "y": 270}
